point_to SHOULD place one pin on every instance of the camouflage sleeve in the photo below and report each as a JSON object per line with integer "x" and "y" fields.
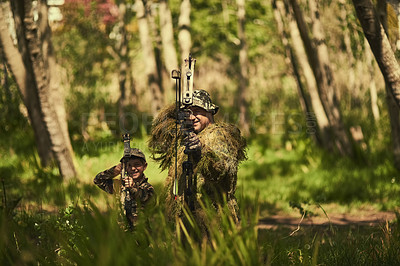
{"x": 144, "y": 193}
{"x": 104, "y": 180}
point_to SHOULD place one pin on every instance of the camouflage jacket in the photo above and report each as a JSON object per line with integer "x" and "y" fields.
{"x": 141, "y": 191}
{"x": 215, "y": 170}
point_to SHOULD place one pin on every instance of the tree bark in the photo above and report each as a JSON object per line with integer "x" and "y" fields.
{"x": 37, "y": 82}
{"x": 126, "y": 84}
{"x": 153, "y": 79}
{"x": 394, "y": 111}
{"x": 152, "y": 14}
{"x": 122, "y": 50}
{"x": 184, "y": 37}
{"x": 352, "y": 80}
{"x": 56, "y": 92}
{"x": 293, "y": 64}
{"x": 372, "y": 86}
{"x": 244, "y": 70}
{"x": 317, "y": 55}
{"x": 327, "y": 87}
{"x": 380, "y": 46}
{"x": 24, "y": 79}
{"x": 316, "y": 103}
{"x": 167, "y": 38}
{"x": 394, "y": 116}
{"x": 290, "y": 59}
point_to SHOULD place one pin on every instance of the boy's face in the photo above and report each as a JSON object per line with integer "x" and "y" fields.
{"x": 135, "y": 168}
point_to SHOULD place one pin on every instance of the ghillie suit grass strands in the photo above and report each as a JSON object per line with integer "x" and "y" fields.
{"x": 162, "y": 137}
{"x": 223, "y": 148}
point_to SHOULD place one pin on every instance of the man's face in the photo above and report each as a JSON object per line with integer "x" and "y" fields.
{"x": 201, "y": 118}
{"x": 135, "y": 168}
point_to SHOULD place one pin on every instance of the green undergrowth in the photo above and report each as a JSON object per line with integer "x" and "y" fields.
{"x": 47, "y": 221}
{"x": 308, "y": 175}
{"x": 303, "y": 175}
{"x": 82, "y": 234}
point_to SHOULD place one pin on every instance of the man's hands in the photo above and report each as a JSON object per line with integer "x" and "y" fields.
{"x": 192, "y": 142}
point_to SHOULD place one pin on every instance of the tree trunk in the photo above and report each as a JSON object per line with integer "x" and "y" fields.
{"x": 290, "y": 59}
{"x": 153, "y": 79}
{"x": 394, "y": 111}
{"x": 184, "y": 37}
{"x": 124, "y": 76}
{"x": 372, "y": 86}
{"x": 152, "y": 15}
{"x": 293, "y": 64}
{"x": 56, "y": 92}
{"x": 327, "y": 87}
{"x": 352, "y": 83}
{"x": 37, "y": 83}
{"x": 394, "y": 116}
{"x": 244, "y": 70}
{"x": 316, "y": 103}
{"x": 380, "y": 46}
{"x": 169, "y": 53}
{"x": 24, "y": 79}
{"x": 317, "y": 55}
{"x": 395, "y": 4}
{"x": 122, "y": 50}
{"x": 167, "y": 38}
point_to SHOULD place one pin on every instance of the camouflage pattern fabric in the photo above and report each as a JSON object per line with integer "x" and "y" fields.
{"x": 134, "y": 198}
{"x": 104, "y": 180}
{"x": 131, "y": 198}
{"x": 222, "y": 149}
{"x": 135, "y": 153}
{"x": 202, "y": 99}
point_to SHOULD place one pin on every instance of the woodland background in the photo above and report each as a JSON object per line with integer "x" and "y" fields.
{"x": 313, "y": 85}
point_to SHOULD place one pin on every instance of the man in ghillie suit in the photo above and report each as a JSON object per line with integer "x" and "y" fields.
{"x": 216, "y": 151}
{"x": 135, "y": 190}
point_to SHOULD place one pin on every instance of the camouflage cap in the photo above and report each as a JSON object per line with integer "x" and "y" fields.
{"x": 136, "y": 153}
{"x": 202, "y": 99}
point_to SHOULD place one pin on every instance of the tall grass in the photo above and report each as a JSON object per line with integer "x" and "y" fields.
{"x": 84, "y": 235}
{"x": 81, "y": 234}
{"x": 46, "y": 222}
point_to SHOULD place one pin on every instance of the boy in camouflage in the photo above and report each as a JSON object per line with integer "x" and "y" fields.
{"x": 217, "y": 150}
{"x": 135, "y": 189}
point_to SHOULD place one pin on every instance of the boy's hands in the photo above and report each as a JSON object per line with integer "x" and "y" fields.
{"x": 117, "y": 169}
{"x": 129, "y": 183}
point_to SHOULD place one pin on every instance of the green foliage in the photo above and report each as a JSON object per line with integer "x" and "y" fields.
{"x": 44, "y": 221}
{"x": 85, "y": 235}
{"x": 308, "y": 174}
{"x": 81, "y": 44}
{"x": 333, "y": 246}
{"x": 12, "y": 121}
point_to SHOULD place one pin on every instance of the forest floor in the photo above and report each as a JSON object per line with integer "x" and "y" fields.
{"x": 355, "y": 218}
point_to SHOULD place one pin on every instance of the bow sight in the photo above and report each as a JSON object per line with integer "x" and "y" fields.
{"x": 184, "y": 100}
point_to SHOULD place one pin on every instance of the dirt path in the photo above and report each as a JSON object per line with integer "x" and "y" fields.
{"x": 362, "y": 219}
